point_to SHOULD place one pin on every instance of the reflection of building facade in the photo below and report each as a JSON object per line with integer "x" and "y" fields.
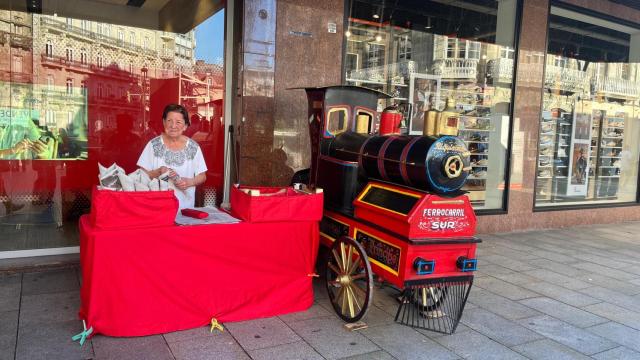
{"x": 108, "y": 63}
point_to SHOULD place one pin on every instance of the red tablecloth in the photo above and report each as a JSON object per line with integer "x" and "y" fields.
{"x": 155, "y": 280}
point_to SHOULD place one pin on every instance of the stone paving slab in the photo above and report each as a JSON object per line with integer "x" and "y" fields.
{"x": 329, "y": 339}
{"x": 262, "y": 333}
{"x": 553, "y": 294}
{"x": 51, "y": 341}
{"x": 8, "y": 335}
{"x": 618, "y": 333}
{"x": 498, "y": 328}
{"x": 621, "y": 353}
{"x": 564, "y": 312}
{"x": 548, "y": 350}
{"x": 473, "y": 345}
{"x": 137, "y": 348}
{"x": 403, "y": 342}
{"x": 297, "y": 350}
{"x": 50, "y": 282}
{"x": 569, "y": 335}
{"x": 46, "y": 308}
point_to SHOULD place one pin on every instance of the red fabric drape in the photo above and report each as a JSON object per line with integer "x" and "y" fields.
{"x": 275, "y": 204}
{"x": 132, "y": 209}
{"x": 160, "y": 279}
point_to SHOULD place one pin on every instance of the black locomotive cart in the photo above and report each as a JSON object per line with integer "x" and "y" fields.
{"x": 393, "y": 207}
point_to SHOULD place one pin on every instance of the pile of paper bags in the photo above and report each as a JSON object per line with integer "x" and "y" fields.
{"x": 115, "y": 178}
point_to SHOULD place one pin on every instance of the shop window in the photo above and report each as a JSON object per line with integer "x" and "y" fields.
{"x": 337, "y": 121}
{"x": 44, "y": 96}
{"x": 588, "y": 151}
{"x": 425, "y": 52}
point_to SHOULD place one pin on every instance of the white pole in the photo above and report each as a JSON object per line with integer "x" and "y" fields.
{"x": 228, "y": 99}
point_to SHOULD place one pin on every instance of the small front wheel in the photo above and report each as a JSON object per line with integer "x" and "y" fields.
{"x": 349, "y": 279}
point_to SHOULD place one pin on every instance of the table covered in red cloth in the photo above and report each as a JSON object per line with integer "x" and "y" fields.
{"x": 154, "y": 280}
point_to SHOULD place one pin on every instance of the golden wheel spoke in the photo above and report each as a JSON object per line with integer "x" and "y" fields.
{"x": 354, "y": 266}
{"x": 343, "y": 306}
{"x": 355, "y": 298}
{"x": 340, "y": 295}
{"x": 358, "y": 276}
{"x": 343, "y": 252}
{"x": 352, "y": 311}
{"x": 338, "y": 260}
{"x": 349, "y": 257}
{"x": 360, "y": 290}
{"x": 334, "y": 268}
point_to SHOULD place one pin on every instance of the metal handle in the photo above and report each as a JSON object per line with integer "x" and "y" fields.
{"x": 453, "y": 166}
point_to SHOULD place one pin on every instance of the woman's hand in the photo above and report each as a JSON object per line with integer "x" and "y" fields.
{"x": 21, "y": 146}
{"x": 184, "y": 183}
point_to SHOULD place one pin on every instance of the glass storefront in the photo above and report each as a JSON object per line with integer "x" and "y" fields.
{"x": 76, "y": 92}
{"x": 425, "y": 52}
{"x": 588, "y": 150}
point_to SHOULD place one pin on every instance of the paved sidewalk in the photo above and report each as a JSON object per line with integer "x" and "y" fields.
{"x": 560, "y": 294}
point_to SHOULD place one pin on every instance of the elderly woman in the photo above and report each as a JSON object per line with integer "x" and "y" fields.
{"x": 176, "y": 153}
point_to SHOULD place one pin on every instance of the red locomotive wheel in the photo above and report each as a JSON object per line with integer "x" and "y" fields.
{"x": 349, "y": 279}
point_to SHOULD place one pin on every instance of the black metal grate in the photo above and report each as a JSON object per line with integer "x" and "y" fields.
{"x": 434, "y": 304}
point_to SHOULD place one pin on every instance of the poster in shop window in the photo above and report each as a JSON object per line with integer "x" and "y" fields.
{"x": 579, "y": 153}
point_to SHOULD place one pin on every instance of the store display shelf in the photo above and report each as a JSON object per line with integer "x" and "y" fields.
{"x": 564, "y": 134}
{"x": 614, "y": 127}
{"x": 375, "y": 82}
{"x": 472, "y": 129}
{"x": 561, "y": 166}
{"x": 545, "y": 166}
{"x": 479, "y": 154}
{"x": 609, "y": 166}
{"x": 478, "y": 166}
{"x": 561, "y": 177}
{"x": 565, "y": 124}
{"x": 545, "y": 177}
{"x": 609, "y": 176}
{"x": 611, "y": 157}
{"x": 612, "y": 147}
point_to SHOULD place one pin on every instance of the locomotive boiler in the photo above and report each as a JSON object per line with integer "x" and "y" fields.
{"x": 393, "y": 207}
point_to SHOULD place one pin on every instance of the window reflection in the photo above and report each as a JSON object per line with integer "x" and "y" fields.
{"x": 587, "y": 151}
{"x": 75, "y": 92}
{"x": 425, "y": 52}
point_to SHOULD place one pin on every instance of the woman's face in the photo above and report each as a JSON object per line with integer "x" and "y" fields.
{"x": 174, "y": 124}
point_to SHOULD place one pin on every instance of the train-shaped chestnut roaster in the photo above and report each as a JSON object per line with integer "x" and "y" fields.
{"x": 393, "y": 207}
